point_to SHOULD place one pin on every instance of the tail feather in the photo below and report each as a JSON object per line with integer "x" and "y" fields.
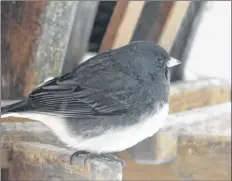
{"x": 16, "y": 107}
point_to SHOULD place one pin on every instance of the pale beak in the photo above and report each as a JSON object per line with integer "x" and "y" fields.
{"x": 173, "y": 62}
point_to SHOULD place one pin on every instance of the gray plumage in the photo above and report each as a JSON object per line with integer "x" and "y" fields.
{"x": 111, "y": 91}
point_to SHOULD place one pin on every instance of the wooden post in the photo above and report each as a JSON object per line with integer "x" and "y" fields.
{"x": 80, "y": 34}
{"x": 129, "y": 23}
{"x": 20, "y": 28}
{"x": 36, "y": 40}
{"x": 115, "y": 22}
{"x": 152, "y": 20}
{"x": 172, "y": 24}
{"x": 122, "y": 24}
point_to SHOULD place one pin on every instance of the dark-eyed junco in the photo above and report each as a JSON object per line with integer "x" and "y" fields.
{"x": 108, "y": 103}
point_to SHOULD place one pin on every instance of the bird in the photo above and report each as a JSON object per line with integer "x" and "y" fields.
{"x": 108, "y": 103}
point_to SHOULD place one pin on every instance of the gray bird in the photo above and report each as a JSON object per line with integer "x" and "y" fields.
{"x": 108, "y": 103}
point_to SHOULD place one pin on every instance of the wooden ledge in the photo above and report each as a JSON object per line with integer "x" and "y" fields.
{"x": 202, "y": 150}
{"x": 187, "y": 95}
{"x": 36, "y": 161}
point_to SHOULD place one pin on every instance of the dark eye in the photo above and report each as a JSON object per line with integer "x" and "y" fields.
{"x": 160, "y": 59}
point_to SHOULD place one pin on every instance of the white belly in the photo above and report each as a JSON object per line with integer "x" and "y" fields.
{"x": 112, "y": 141}
{"x": 121, "y": 139}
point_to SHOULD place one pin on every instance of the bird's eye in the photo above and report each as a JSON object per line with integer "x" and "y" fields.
{"x": 160, "y": 59}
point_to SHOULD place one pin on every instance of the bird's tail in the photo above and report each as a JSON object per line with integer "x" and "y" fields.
{"x": 14, "y": 108}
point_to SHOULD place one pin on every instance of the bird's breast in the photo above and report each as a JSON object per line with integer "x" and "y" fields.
{"x": 151, "y": 122}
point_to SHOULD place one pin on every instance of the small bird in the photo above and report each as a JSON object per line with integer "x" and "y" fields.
{"x": 108, "y": 103}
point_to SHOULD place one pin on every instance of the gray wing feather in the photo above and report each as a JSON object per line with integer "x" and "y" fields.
{"x": 95, "y": 88}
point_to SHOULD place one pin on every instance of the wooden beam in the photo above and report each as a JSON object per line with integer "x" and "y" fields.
{"x": 115, "y": 22}
{"x": 152, "y": 20}
{"x": 36, "y": 161}
{"x": 128, "y": 24}
{"x": 184, "y": 38}
{"x": 187, "y": 95}
{"x": 133, "y": 21}
{"x": 20, "y": 28}
{"x": 35, "y": 36}
{"x": 173, "y": 24}
{"x": 80, "y": 34}
{"x": 102, "y": 20}
{"x": 122, "y": 24}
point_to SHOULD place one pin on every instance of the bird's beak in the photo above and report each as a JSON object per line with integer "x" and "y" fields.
{"x": 173, "y": 62}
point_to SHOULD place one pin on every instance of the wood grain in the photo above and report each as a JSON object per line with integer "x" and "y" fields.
{"x": 20, "y": 27}
{"x": 35, "y": 36}
{"x": 36, "y": 161}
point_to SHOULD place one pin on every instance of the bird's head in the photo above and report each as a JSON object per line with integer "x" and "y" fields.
{"x": 157, "y": 60}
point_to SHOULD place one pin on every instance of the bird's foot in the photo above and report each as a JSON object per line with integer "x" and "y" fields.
{"x": 105, "y": 156}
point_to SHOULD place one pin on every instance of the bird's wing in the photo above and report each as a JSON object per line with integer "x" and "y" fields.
{"x": 97, "y": 87}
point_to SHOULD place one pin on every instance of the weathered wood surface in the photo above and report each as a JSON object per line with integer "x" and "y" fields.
{"x": 4, "y": 158}
{"x": 37, "y": 161}
{"x": 35, "y": 38}
{"x": 187, "y": 95}
{"x": 80, "y": 34}
{"x": 204, "y": 145}
{"x": 20, "y": 27}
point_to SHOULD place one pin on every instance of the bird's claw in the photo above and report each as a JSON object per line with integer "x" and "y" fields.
{"x": 76, "y": 154}
{"x": 109, "y": 157}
